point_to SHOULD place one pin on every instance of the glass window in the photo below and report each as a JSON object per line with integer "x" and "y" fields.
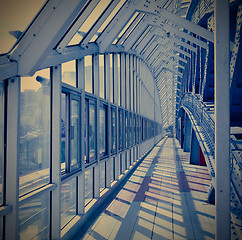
{"x": 88, "y": 185}
{"x": 16, "y": 9}
{"x": 110, "y": 17}
{"x": 2, "y": 113}
{"x": 102, "y": 175}
{"x": 34, "y": 157}
{"x": 103, "y": 130}
{"x": 92, "y": 129}
{"x": 88, "y": 74}
{"x": 119, "y": 80}
{"x": 89, "y": 22}
{"x": 74, "y": 132}
{"x": 120, "y": 124}
{"x": 69, "y": 73}
{"x": 34, "y": 218}
{"x": 68, "y": 201}
{"x": 126, "y": 130}
{"x": 112, "y": 167}
{"x": 113, "y": 129}
{"x": 111, "y": 78}
{"x": 120, "y": 164}
{"x": 130, "y": 129}
{"x": 70, "y": 129}
{"x": 102, "y": 77}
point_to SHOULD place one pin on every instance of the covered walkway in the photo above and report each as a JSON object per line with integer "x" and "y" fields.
{"x": 163, "y": 199}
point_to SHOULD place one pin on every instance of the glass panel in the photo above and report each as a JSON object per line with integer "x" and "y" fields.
{"x": 102, "y": 76}
{"x": 126, "y": 129}
{"x": 75, "y": 139}
{"x": 102, "y": 175}
{"x": 103, "y": 130}
{"x": 1, "y": 142}
{"x": 111, "y": 15}
{"x": 88, "y": 186}
{"x": 112, "y": 163}
{"x": 88, "y": 74}
{"x": 34, "y": 157}
{"x": 113, "y": 130}
{"x": 130, "y": 130}
{"x": 34, "y": 218}
{"x": 92, "y": 129}
{"x": 86, "y": 132}
{"x": 21, "y": 16}
{"x": 120, "y": 164}
{"x": 92, "y": 18}
{"x": 69, "y": 73}
{"x": 64, "y": 133}
{"x": 120, "y": 113}
{"x": 111, "y": 78}
{"x": 68, "y": 201}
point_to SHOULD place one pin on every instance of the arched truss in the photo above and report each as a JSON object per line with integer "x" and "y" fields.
{"x": 151, "y": 30}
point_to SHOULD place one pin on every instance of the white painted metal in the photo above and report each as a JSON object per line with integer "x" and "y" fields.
{"x": 81, "y": 178}
{"x": 170, "y": 29}
{"x": 12, "y": 154}
{"x": 134, "y": 37}
{"x": 78, "y": 23}
{"x": 116, "y": 26}
{"x": 222, "y": 120}
{"x": 99, "y": 23}
{"x": 108, "y": 165}
{"x": 157, "y": 10}
{"x": 96, "y": 92}
{"x": 36, "y": 44}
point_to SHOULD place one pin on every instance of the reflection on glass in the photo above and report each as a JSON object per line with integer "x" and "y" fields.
{"x": 74, "y": 132}
{"x": 119, "y": 81}
{"x": 120, "y": 164}
{"x": 68, "y": 201}
{"x": 101, "y": 76}
{"x": 92, "y": 129}
{"x": 64, "y": 141}
{"x": 86, "y": 132}
{"x": 102, "y": 175}
{"x": 130, "y": 129}
{"x": 88, "y": 186}
{"x": 111, "y": 78}
{"x": 112, "y": 166}
{"x": 1, "y": 141}
{"x": 103, "y": 130}
{"x": 88, "y": 74}
{"x": 34, "y": 157}
{"x": 126, "y": 129}
{"x": 34, "y": 218}
{"x": 120, "y": 117}
{"x": 69, "y": 73}
{"x": 113, "y": 130}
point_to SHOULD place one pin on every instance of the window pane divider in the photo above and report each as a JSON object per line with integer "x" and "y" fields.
{"x": 28, "y": 196}
{"x": 5, "y": 209}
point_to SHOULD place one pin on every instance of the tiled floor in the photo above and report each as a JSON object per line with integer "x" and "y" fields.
{"x": 163, "y": 199}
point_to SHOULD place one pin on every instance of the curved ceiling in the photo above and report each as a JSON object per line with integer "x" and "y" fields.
{"x": 155, "y": 31}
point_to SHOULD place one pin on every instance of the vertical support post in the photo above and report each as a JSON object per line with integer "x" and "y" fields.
{"x": 56, "y": 153}
{"x": 96, "y": 92}
{"x": 108, "y": 165}
{"x": 222, "y": 120}
{"x": 81, "y": 178}
{"x": 12, "y": 178}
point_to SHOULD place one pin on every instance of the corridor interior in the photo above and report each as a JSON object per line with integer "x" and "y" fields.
{"x": 165, "y": 198}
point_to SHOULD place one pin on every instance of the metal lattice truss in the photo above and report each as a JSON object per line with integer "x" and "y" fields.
{"x": 153, "y": 30}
